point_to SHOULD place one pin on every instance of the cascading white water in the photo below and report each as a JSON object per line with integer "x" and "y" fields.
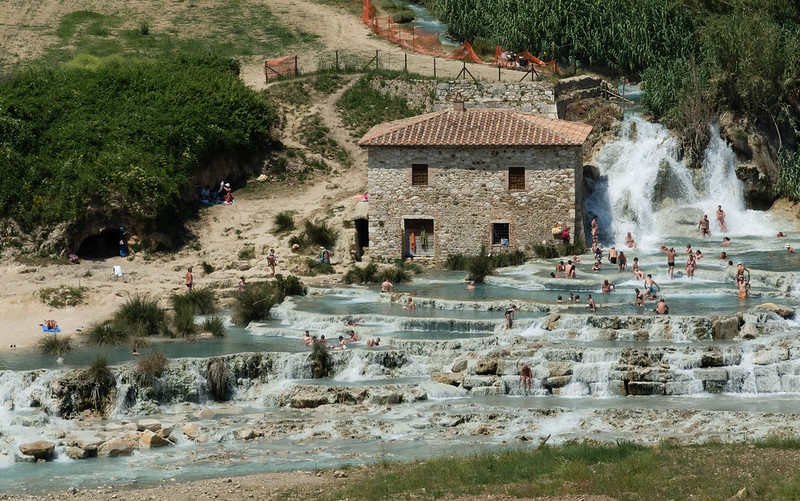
{"x": 644, "y": 188}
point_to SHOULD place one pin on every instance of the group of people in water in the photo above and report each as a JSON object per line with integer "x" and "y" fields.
{"x": 651, "y": 288}
{"x": 341, "y": 344}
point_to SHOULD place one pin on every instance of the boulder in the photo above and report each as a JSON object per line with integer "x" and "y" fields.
{"x": 85, "y": 440}
{"x": 451, "y": 378}
{"x": 191, "y": 430}
{"x": 148, "y": 424}
{"x": 40, "y": 449}
{"x": 782, "y": 311}
{"x": 308, "y": 400}
{"x": 486, "y": 366}
{"x": 459, "y": 365}
{"x": 77, "y": 453}
{"x": 116, "y": 447}
{"x": 551, "y": 323}
{"x": 150, "y": 439}
{"x": 758, "y": 192}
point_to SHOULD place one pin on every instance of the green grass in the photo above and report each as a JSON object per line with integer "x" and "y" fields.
{"x": 53, "y": 344}
{"x": 59, "y": 297}
{"x": 314, "y": 267}
{"x": 106, "y": 333}
{"x": 362, "y": 106}
{"x": 316, "y": 137}
{"x": 321, "y": 234}
{"x": 624, "y": 471}
{"x": 200, "y": 301}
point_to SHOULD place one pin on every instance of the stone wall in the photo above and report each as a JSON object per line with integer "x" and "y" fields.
{"x": 467, "y": 192}
{"x": 535, "y": 97}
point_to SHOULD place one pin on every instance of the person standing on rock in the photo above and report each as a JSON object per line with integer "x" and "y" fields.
{"x": 189, "y": 278}
{"x": 510, "y": 316}
{"x": 271, "y": 261}
{"x": 671, "y": 255}
{"x": 525, "y": 375}
{"x": 721, "y": 218}
{"x": 704, "y": 226}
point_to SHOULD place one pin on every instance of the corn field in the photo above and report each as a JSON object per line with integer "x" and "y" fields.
{"x": 628, "y": 35}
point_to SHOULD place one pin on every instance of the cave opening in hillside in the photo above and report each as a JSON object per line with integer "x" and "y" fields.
{"x": 362, "y": 236}
{"x": 103, "y": 245}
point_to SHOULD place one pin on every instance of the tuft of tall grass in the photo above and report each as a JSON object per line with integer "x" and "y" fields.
{"x": 183, "y": 321}
{"x": 320, "y": 359}
{"x": 480, "y": 266}
{"x": 358, "y": 275}
{"x": 53, "y": 344}
{"x": 215, "y": 325}
{"x": 545, "y": 251}
{"x": 254, "y": 304}
{"x": 218, "y": 377}
{"x": 141, "y": 315}
{"x": 456, "y": 262}
{"x": 101, "y": 379}
{"x": 321, "y": 234}
{"x": 150, "y": 367}
{"x": 314, "y": 267}
{"x": 283, "y": 222}
{"x": 200, "y": 301}
{"x": 107, "y": 333}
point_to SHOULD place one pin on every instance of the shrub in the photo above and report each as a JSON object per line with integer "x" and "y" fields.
{"x": 101, "y": 380}
{"x": 396, "y": 274}
{"x": 320, "y": 360}
{"x": 159, "y": 118}
{"x": 456, "y": 262}
{"x": 141, "y": 315}
{"x": 218, "y": 376}
{"x": 106, "y": 333}
{"x": 573, "y": 249}
{"x": 545, "y": 251}
{"x": 150, "y": 367}
{"x": 321, "y": 234}
{"x": 207, "y": 268}
{"x": 59, "y": 297}
{"x": 183, "y": 321}
{"x": 215, "y": 325}
{"x": 503, "y": 259}
{"x": 365, "y": 275}
{"x": 283, "y": 222}
{"x": 300, "y": 241}
{"x": 199, "y": 301}
{"x": 247, "y": 252}
{"x": 314, "y": 267}
{"x": 254, "y": 304}
{"x": 480, "y": 266}
{"x": 289, "y": 286}
{"x": 53, "y": 344}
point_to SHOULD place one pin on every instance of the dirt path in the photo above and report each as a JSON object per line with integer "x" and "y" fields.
{"x": 339, "y": 30}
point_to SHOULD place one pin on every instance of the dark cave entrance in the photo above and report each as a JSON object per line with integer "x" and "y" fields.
{"x": 362, "y": 236}
{"x": 101, "y": 246}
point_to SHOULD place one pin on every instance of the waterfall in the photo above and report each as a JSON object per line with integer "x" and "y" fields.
{"x": 644, "y": 188}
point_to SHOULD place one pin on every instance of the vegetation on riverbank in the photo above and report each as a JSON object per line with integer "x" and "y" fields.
{"x": 120, "y": 137}
{"x": 697, "y": 59}
{"x": 624, "y": 470}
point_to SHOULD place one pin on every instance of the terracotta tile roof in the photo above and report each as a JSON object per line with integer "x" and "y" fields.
{"x": 477, "y": 127}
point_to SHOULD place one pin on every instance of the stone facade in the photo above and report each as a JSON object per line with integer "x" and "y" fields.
{"x": 467, "y": 195}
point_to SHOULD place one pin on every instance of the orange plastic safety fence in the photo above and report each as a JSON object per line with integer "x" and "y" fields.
{"x": 283, "y": 66}
{"x": 425, "y": 42}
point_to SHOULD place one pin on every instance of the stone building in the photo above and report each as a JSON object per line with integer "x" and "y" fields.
{"x": 452, "y": 180}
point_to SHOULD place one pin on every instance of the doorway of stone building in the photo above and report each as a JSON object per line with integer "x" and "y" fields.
{"x": 418, "y": 237}
{"x": 362, "y": 236}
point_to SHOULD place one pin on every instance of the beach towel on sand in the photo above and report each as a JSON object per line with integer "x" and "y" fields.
{"x": 45, "y": 329}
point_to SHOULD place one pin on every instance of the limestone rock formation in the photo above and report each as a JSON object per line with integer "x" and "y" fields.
{"x": 40, "y": 449}
{"x": 782, "y": 311}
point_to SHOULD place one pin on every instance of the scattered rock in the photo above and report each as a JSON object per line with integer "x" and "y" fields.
{"x": 116, "y": 447}
{"x": 148, "y": 424}
{"x": 459, "y": 365}
{"x": 76, "y": 453}
{"x": 486, "y": 366}
{"x": 150, "y": 439}
{"x": 191, "y": 430}
{"x": 451, "y": 378}
{"x": 40, "y": 449}
{"x": 782, "y": 311}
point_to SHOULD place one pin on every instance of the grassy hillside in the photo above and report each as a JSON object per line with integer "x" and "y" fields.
{"x": 120, "y": 135}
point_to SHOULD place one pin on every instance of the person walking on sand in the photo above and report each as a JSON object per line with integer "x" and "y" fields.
{"x": 510, "y": 316}
{"x": 525, "y": 376}
{"x": 704, "y": 226}
{"x": 189, "y": 278}
{"x": 671, "y": 255}
{"x": 721, "y": 218}
{"x": 271, "y": 261}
